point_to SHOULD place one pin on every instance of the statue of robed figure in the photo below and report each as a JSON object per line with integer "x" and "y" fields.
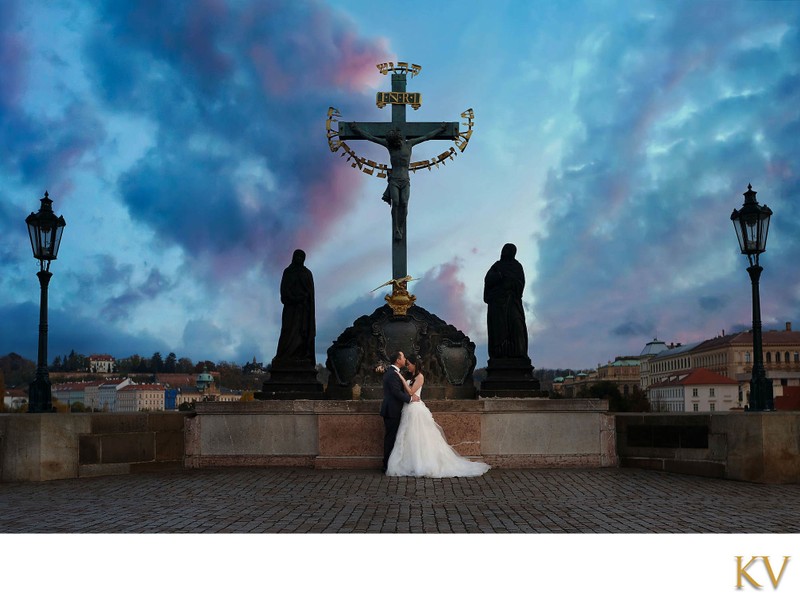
{"x": 509, "y": 372}
{"x": 293, "y": 373}
{"x": 505, "y": 319}
{"x": 298, "y": 327}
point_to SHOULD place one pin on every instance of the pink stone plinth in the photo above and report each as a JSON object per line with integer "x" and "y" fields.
{"x": 350, "y": 435}
{"x": 462, "y": 430}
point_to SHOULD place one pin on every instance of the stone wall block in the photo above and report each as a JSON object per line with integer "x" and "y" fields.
{"x": 128, "y": 447}
{"x": 118, "y": 422}
{"x": 88, "y": 449}
{"x": 169, "y": 445}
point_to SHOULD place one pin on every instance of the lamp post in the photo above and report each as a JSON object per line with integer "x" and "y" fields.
{"x": 45, "y": 230}
{"x": 751, "y": 222}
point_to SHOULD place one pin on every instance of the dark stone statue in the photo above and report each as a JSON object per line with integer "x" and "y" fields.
{"x": 502, "y": 291}
{"x": 509, "y": 372}
{"x": 293, "y": 373}
{"x": 298, "y": 328}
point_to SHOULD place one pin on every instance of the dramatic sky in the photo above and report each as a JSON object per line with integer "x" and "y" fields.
{"x": 184, "y": 143}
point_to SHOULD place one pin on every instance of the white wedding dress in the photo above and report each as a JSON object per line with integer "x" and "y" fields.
{"x": 421, "y": 448}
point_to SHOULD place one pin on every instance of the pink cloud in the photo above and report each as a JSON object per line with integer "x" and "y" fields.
{"x": 272, "y": 76}
{"x": 327, "y": 200}
{"x": 442, "y": 292}
{"x": 357, "y": 68}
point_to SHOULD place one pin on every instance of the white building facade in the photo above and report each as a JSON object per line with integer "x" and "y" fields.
{"x": 697, "y": 390}
{"x": 107, "y": 394}
{"x": 140, "y": 398}
{"x": 101, "y": 363}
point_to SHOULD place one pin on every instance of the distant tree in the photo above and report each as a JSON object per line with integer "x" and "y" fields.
{"x": 78, "y": 407}
{"x": 546, "y": 377}
{"x": 185, "y": 366}
{"x": 123, "y": 366}
{"x": 231, "y": 375}
{"x": 17, "y": 370}
{"x": 201, "y": 365}
{"x": 171, "y": 363}
{"x": 143, "y": 366}
{"x": 75, "y": 362}
{"x": 2, "y": 390}
{"x": 637, "y": 401}
{"x": 156, "y": 363}
{"x": 605, "y": 390}
{"x": 133, "y": 364}
{"x": 57, "y": 365}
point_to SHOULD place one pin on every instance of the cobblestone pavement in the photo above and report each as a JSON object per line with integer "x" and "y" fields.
{"x": 292, "y": 500}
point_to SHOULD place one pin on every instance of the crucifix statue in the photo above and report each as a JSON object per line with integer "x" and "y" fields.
{"x": 399, "y": 147}
{"x": 399, "y": 137}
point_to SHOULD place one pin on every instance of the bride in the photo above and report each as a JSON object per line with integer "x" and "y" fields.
{"x": 421, "y": 448}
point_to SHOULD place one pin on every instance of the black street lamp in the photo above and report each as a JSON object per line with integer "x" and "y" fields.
{"x": 752, "y": 225}
{"x": 45, "y": 231}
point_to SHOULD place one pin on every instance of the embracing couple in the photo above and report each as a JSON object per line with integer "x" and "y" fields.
{"x": 414, "y": 444}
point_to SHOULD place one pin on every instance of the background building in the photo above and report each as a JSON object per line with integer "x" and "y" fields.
{"x": 622, "y": 372}
{"x": 697, "y": 390}
{"x": 140, "y": 398}
{"x": 731, "y": 355}
{"x": 102, "y": 363}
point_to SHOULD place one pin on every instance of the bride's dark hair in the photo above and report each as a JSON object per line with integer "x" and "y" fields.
{"x": 417, "y": 361}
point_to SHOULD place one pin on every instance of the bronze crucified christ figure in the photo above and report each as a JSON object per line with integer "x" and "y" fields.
{"x": 399, "y": 189}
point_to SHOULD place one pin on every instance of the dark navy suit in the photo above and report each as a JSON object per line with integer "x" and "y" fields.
{"x": 394, "y": 396}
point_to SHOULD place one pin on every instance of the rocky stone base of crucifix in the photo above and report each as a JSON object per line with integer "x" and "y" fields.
{"x": 290, "y": 380}
{"x": 510, "y": 377}
{"x": 448, "y": 356}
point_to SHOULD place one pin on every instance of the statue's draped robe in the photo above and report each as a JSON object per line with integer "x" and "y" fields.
{"x": 502, "y": 291}
{"x": 298, "y": 329}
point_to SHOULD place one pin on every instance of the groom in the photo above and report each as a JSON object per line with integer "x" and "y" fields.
{"x": 394, "y": 396}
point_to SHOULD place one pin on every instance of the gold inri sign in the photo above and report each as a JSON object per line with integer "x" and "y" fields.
{"x": 398, "y": 97}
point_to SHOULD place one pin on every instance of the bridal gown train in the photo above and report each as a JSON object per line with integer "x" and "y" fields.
{"x": 422, "y": 450}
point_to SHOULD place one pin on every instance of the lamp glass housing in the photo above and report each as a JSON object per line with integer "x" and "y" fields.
{"x": 45, "y": 230}
{"x": 751, "y": 223}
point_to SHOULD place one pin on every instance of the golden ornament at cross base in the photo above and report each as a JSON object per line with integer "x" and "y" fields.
{"x": 400, "y": 300}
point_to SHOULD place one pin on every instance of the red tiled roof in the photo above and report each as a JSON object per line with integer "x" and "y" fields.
{"x": 176, "y": 380}
{"x": 145, "y": 387}
{"x": 702, "y": 376}
{"x": 101, "y": 358}
{"x": 697, "y": 376}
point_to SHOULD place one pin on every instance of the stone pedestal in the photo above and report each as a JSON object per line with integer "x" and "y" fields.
{"x": 510, "y": 377}
{"x": 448, "y": 356}
{"x": 290, "y": 381}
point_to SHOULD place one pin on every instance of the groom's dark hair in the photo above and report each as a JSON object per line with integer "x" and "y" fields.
{"x": 394, "y": 357}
